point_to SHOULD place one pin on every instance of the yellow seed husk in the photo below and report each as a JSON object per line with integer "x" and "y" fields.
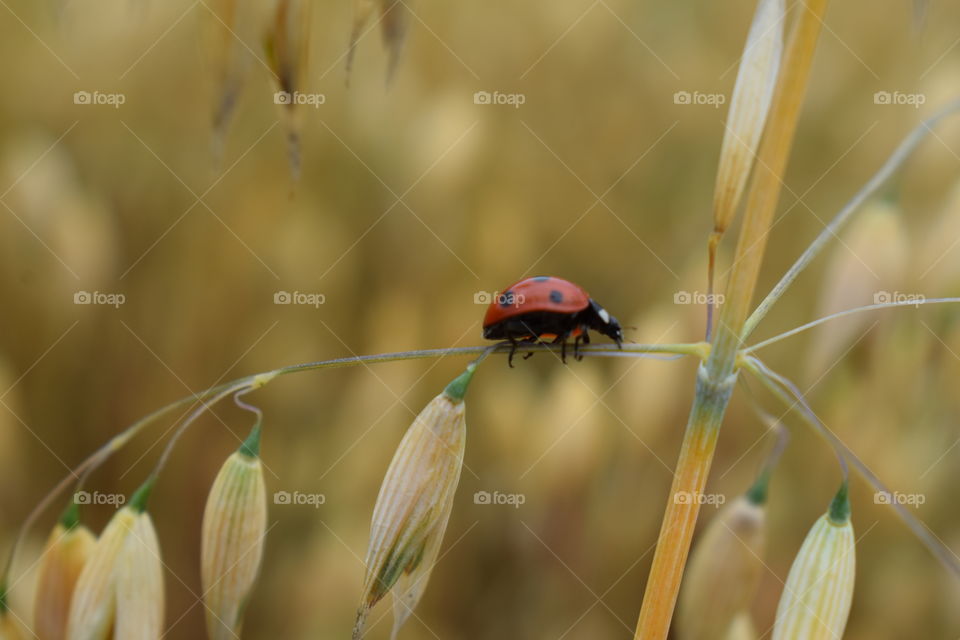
{"x": 742, "y": 628}
{"x": 413, "y": 509}
{"x": 234, "y": 529}
{"x": 139, "y": 583}
{"x": 752, "y": 95}
{"x": 816, "y": 597}
{"x": 120, "y": 589}
{"x": 64, "y": 557}
{"x": 10, "y": 628}
{"x": 287, "y": 48}
{"x": 723, "y": 573}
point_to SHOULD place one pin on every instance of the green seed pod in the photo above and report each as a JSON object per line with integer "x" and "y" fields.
{"x": 414, "y": 505}
{"x": 816, "y": 597}
{"x": 234, "y": 531}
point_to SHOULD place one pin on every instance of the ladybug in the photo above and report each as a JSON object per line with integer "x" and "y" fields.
{"x": 547, "y": 307}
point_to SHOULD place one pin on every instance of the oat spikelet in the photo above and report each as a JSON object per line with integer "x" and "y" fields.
{"x": 68, "y": 548}
{"x": 816, "y": 598}
{"x": 287, "y": 48}
{"x": 414, "y": 505}
{"x": 749, "y": 106}
{"x": 234, "y": 529}
{"x": 119, "y": 593}
{"x": 724, "y": 570}
{"x": 752, "y": 95}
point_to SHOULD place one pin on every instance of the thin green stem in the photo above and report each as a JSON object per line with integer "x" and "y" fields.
{"x": 841, "y": 314}
{"x": 829, "y": 232}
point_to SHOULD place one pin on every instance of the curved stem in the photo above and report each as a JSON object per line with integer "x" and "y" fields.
{"x": 846, "y": 312}
{"x": 787, "y": 392}
{"x": 81, "y": 473}
{"x": 830, "y": 231}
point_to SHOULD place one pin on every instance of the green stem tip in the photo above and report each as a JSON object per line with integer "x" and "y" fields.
{"x": 757, "y": 494}
{"x": 251, "y": 446}
{"x": 70, "y": 517}
{"x": 457, "y": 389}
{"x": 839, "y": 511}
{"x": 138, "y": 501}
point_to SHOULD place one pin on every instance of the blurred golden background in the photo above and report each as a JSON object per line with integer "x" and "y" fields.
{"x": 413, "y": 201}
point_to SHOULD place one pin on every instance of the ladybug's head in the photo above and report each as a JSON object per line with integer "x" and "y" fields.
{"x": 603, "y": 322}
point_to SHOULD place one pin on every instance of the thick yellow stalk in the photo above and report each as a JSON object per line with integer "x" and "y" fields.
{"x": 716, "y": 378}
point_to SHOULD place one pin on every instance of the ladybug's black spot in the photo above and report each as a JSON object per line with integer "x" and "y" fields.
{"x": 556, "y": 297}
{"x": 541, "y": 278}
{"x": 506, "y": 299}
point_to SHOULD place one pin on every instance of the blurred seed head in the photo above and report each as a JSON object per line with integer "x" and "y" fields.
{"x": 234, "y": 531}
{"x": 723, "y": 573}
{"x": 866, "y": 267}
{"x": 10, "y": 628}
{"x": 68, "y": 548}
{"x": 287, "y": 47}
{"x": 742, "y": 628}
{"x": 414, "y": 505}
{"x": 816, "y": 598}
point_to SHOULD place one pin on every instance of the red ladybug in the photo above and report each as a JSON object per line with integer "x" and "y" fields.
{"x": 547, "y": 307}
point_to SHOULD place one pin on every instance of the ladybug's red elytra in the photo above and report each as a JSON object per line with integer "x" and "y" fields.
{"x": 547, "y": 307}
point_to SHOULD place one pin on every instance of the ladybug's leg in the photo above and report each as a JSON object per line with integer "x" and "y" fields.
{"x": 585, "y": 338}
{"x": 562, "y": 341}
{"x": 513, "y": 350}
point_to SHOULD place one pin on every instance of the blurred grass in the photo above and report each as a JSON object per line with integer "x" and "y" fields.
{"x": 109, "y": 208}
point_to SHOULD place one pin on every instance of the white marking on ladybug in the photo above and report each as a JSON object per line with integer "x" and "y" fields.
{"x": 604, "y": 315}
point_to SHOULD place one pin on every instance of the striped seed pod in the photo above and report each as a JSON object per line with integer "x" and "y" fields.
{"x": 724, "y": 571}
{"x": 68, "y": 548}
{"x": 120, "y": 593}
{"x": 414, "y": 505}
{"x": 816, "y": 597}
{"x": 234, "y": 530}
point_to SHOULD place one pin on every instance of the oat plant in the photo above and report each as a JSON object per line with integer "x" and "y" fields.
{"x": 111, "y": 585}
